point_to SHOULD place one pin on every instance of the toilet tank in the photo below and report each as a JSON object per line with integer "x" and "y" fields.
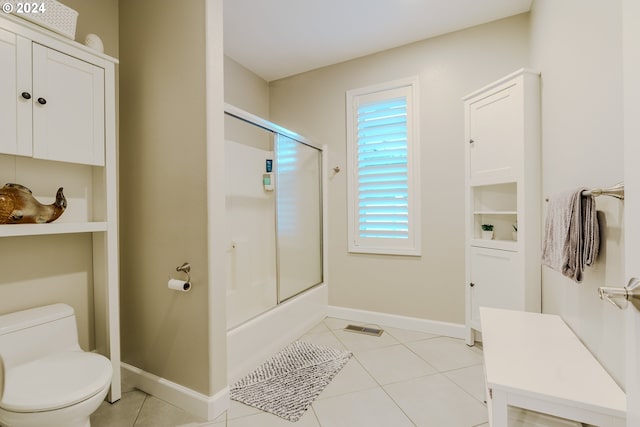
{"x": 31, "y": 334}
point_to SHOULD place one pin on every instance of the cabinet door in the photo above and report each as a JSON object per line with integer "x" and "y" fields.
{"x": 495, "y": 129}
{"x": 68, "y": 108}
{"x": 495, "y": 279}
{"x": 15, "y": 94}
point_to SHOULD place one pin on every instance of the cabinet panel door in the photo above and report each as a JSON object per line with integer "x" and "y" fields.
{"x": 495, "y": 127}
{"x": 15, "y": 109}
{"x": 68, "y": 108}
{"x": 494, "y": 274}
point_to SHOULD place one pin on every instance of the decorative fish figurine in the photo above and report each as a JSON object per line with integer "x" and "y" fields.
{"x": 18, "y": 206}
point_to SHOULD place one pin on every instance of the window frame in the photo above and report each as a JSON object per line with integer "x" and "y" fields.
{"x": 411, "y": 246}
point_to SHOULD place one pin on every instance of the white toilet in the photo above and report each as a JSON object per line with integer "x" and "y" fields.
{"x": 46, "y": 379}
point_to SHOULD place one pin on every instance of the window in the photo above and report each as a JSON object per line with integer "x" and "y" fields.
{"x": 383, "y": 158}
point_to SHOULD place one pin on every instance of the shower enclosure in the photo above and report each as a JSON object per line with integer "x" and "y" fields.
{"x": 274, "y": 211}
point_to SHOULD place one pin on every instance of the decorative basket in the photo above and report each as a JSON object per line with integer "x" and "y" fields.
{"x": 49, "y": 14}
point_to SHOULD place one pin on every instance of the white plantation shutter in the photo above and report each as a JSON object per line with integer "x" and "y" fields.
{"x": 382, "y": 151}
{"x": 383, "y": 199}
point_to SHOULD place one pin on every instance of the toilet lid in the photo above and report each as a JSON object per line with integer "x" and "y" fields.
{"x": 55, "y": 381}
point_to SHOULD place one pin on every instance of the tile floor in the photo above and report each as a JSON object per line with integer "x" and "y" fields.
{"x": 403, "y": 378}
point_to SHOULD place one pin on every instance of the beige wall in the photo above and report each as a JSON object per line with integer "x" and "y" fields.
{"x": 577, "y": 46}
{"x": 97, "y": 17}
{"x": 449, "y": 67}
{"x": 41, "y": 270}
{"x": 163, "y": 191}
{"x": 244, "y": 89}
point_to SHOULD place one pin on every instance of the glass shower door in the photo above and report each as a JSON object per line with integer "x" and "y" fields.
{"x": 250, "y": 208}
{"x": 299, "y": 216}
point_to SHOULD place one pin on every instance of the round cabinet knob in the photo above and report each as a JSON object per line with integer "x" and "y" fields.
{"x": 472, "y": 284}
{"x": 26, "y": 95}
{"x": 42, "y": 101}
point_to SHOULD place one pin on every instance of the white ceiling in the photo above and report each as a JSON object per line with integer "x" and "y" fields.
{"x": 279, "y": 38}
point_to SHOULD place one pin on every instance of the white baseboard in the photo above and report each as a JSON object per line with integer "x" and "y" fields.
{"x": 453, "y": 330}
{"x": 205, "y": 407}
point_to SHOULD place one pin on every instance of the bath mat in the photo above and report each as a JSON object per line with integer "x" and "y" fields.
{"x": 290, "y": 381}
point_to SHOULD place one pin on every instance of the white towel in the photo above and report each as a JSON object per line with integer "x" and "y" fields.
{"x": 571, "y": 234}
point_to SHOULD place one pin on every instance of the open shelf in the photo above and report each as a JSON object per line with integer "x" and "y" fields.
{"x": 505, "y": 245}
{"x": 15, "y": 230}
{"x": 495, "y": 213}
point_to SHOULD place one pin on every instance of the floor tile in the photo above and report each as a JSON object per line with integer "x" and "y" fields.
{"x": 394, "y": 363}
{"x": 445, "y": 353}
{"x": 334, "y": 323}
{"x": 369, "y": 408}
{"x": 327, "y": 339}
{"x": 405, "y": 335}
{"x": 222, "y": 423}
{"x": 352, "y": 377}
{"x": 320, "y": 327}
{"x": 360, "y": 342}
{"x": 435, "y": 400}
{"x": 471, "y": 380}
{"x": 121, "y": 413}
{"x": 238, "y": 409}
{"x": 157, "y": 413}
{"x": 265, "y": 419}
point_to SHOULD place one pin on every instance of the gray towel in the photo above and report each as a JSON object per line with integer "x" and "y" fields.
{"x": 571, "y": 234}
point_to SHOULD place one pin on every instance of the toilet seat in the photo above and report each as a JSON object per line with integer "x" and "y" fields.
{"x": 55, "y": 381}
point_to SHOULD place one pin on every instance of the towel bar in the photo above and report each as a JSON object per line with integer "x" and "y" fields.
{"x": 630, "y": 293}
{"x": 616, "y": 191}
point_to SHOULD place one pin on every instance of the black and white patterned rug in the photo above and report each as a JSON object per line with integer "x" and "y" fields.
{"x": 290, "y": 381}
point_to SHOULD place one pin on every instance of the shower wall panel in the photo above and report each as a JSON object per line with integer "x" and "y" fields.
{"x": 251, "y": 255}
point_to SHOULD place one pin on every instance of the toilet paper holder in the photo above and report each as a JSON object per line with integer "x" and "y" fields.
{"x": 185, "y": 268}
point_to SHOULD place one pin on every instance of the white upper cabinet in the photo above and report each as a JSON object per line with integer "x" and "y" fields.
{"x": 495, "y": 128}
{"x": 51, "y": 104}
{"x": 68, "y": 108}
{"x": 8, "y": 90}
{"x": 15, "y": 95}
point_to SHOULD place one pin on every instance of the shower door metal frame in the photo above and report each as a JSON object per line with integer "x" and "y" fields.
{"x": 252, "y": 119}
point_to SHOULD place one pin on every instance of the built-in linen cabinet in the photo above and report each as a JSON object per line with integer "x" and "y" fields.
{"x": 502, "y": 176}
{"x": 56, "y": 101}
{"x": 57, "y": 129}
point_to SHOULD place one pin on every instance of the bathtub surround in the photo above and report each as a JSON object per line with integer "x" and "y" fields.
{"x": 252, "y": 342}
